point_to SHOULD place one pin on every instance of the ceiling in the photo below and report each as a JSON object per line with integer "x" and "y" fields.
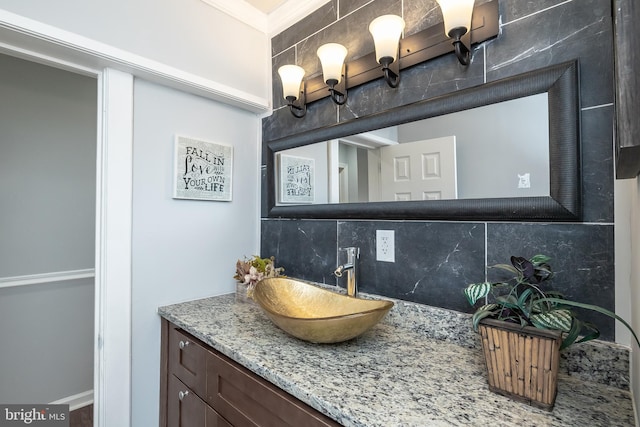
{"x": 266, "y": 6}
{"x": 268, "y": 16}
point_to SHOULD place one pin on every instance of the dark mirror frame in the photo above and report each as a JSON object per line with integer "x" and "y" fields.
{"x": 563, "y": 204}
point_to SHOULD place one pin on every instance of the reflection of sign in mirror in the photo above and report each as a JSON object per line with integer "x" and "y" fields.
{"x": 202, "y": 170}
{"x": 296, "y": 179}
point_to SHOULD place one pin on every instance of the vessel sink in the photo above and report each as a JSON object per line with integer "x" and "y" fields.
{"x": 314, "y": 314}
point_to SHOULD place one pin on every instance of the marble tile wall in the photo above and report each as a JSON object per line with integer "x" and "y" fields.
{"x": 435, "y": 260}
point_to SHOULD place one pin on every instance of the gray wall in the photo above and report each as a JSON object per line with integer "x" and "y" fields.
{"x": 182, "y": 249}
{"x": 47, "y": 216}
{"x": 47, "y": 336}
{"x": 435, "y": 260}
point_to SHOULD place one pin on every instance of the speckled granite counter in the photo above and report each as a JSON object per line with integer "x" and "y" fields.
{"x": 419, "y": 367}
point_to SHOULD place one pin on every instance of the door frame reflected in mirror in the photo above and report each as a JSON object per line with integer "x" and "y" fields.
{"x": 559, "y": 81}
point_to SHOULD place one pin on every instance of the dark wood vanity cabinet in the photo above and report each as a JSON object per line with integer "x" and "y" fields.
{"x": 185, "y": 408}
{"x": 201, "y": 387}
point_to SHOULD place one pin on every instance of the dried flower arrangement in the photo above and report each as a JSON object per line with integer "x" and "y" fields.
{"x": 251, "y": 271}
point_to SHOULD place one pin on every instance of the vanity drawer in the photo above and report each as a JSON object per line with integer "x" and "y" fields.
{"x": 245, "y": 399}
{"x": 185, "y": 409}
{"x": 188, "y": 360}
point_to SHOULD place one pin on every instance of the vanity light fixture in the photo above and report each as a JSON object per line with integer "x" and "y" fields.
{"x": 457, "y": 23}
{"x": 386, "y": 31}
{"x": 463, "y": 22}
{"x": 332, "y": 56}
{"x": 293, "y": 89}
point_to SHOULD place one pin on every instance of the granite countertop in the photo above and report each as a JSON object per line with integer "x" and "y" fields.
{"x": 406, "y": 371}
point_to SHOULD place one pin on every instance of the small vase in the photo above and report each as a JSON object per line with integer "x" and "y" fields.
{"x": 241, "y": 293}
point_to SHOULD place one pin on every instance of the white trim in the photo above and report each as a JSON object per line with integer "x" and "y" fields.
{"x": 34, "y": 279}
{"x": 76, "y": 401}
{"x": 42, "y": 58}
{"x": 43, "y": 41}
{"x": 114, "y": 193}
{"x": 291, "y": 12}
{"x": 242, "y": 11}
{"x": 277, "y": 21}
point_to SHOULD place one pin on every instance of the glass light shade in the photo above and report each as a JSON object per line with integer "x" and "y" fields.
{"x": 386, "y": 31}
{"x": 332, "y": 57}
{"x": 456, "y": 13}
{"x": 291, "y": 76}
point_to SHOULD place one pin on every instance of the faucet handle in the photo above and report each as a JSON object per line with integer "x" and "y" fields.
{"x": 351, "y": 251}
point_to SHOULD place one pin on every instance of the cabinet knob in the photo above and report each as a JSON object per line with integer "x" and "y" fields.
{"x": 183, "y": 394}
{"x": 183, "y": 344}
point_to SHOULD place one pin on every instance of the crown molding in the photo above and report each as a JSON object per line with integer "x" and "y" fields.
{"x": 242, "y": 11}
{"x": 291, "y": 12}
{"x": 277, "y": 21}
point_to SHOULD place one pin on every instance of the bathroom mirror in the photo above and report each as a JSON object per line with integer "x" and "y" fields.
{"x": 539, "y": 182}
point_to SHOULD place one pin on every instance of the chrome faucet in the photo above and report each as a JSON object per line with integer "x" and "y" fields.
{"x": 351, "y": 266}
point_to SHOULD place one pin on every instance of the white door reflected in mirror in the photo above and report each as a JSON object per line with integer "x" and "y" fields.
{"x": 421, "y": 170}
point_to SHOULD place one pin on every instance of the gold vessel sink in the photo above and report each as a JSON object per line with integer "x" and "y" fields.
{"x": 314, "y": 314}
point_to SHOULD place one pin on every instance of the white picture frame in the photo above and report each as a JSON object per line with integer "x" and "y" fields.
{"x": 297, "y": 179}
{"x": 203, "y": 170}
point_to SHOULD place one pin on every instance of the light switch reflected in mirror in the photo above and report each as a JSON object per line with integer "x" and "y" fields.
{"x": 494, "y": 151}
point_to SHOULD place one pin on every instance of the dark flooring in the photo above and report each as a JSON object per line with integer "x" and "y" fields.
{"x": 82, "y": 417}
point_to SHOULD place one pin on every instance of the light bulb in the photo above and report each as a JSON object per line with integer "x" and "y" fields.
{"x": 456, "y": 14}
{"x": 386, "y": 31}
{"x": 332, "y": 57}
{"x": 291, "y": 76}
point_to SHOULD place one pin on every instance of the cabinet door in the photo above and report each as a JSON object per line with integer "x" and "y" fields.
{"x": 244, "y": 399}
{"x": 184, "y": 408}
{"x": 215, "y": 420}
{"x": 187, "y": 360}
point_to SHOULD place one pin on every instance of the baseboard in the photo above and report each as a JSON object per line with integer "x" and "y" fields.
{"x": 76, "y": 401}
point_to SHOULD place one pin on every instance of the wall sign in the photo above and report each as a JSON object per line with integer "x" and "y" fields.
{"x": 296, "y": 179}
{"x": 203, "y": 170}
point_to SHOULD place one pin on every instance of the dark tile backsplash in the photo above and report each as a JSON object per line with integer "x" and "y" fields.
{"x": 563, "y": 33}
{"x": 597, "y": 161}
{"x": 436, "y": 259}
{"x": 582, "y": 259}
{"x": 306, "y": 248}
{"x": 321, "y": 18}
{"x": 433, "y": 259}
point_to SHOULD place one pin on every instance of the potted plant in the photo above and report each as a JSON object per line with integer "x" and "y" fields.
{"x": 523, "y": 326}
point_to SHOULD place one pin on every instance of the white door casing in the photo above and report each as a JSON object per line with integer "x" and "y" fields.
{"x": 333, "y": 171}
{"x": 112, "y": 367}
{"x": 343, "y": 178}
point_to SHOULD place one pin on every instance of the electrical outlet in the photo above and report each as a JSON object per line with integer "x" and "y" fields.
{"x": 385, "y": 246}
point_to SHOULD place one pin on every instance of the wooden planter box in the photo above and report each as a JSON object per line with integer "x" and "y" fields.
{"x": 522, "y": 363}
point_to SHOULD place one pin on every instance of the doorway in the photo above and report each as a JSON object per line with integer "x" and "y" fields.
{"x": 47, "y": 222}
